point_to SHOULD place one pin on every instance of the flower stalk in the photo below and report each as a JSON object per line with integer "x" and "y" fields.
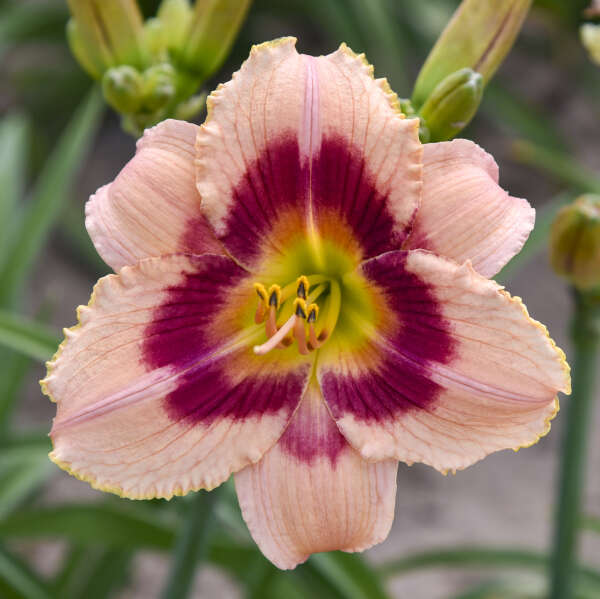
{"x": 585, "y": 333}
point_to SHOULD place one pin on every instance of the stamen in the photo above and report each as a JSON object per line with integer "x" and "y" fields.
{"x": 261, "y": 309}
{"x": 313, "y": 313}
{"x": 299, "y": 327}
{"x": 277, "y": 338}
{"x": 271, "y": 324}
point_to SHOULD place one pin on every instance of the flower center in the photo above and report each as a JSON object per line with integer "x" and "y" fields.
{"x": 292, "y": 313}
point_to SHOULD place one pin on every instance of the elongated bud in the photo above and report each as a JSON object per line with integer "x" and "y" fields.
{"x": 123, "y": 88}
{"x": 106, "y": 33}
{"x": 590, "y": 38}
{"x": 87, "y": 54}
{"x": 575, "y": 243}
{"x": 213, "y": 28}
{"x": 479, "y": 36}
{"x": 452, "y": 104}
{"x": 166, "y": 32}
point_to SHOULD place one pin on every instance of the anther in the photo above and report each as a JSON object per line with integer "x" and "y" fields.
{"x": 299, "y": 325}
{"x": 302, "y": 286}
{"x": 300, "y": 308}
{"x": 275, "y": 296}
{"x": 313, "y": 313}
{"x": 261, "y": 291}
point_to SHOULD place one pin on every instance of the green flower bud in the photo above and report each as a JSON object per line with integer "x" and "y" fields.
{"x": 452, "y": 104}
{"x": 123, "y": 87}
{"x": 590, "y": 38}
{"x": 208, "y": 38}
{"x": 159, "y": 86}
{"x": 110, "y": 31}
{"x": 176, "y": 17}
{"x": 86, "y": 54}
{"x": 479, "y": 36}
{"x": 575, "y": 243}
{"x": 165, "y": 34}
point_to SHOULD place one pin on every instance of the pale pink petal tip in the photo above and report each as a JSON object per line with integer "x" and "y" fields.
{"x": 152, "y": 208}
{"x": 312, "y": 492}
{"x": 464, "y": 213}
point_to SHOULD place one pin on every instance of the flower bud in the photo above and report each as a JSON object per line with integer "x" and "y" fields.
{"x": 166, "y": 32}
{"x": 213, "y": 28}
{"x": 575, "y": 242}
{"x": 122, "y": 88}
{"x": 159, "y": 86}
{"x": 106, "y": 33}
{"x": 590, "y": 38}
{"x": 452, "y": 104}
{"x": 479, "y": 36}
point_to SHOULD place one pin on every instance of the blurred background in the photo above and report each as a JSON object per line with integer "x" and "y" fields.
{"x": 540, "y": 119}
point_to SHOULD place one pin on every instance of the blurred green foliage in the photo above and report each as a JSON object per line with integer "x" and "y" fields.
{"x": 51, "y": 118}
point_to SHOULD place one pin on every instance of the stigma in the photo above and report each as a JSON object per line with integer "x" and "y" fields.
{"x": 291, "y": 313}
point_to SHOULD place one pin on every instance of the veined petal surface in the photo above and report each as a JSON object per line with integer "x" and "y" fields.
{"x": 312, "y": 492}
{"x": 157, "y": 389}
{"x": 296, "y": 146}
{"x": 457, "y": 371}
{"x": 152, "y": 208}
{"x": 464, "y": 213}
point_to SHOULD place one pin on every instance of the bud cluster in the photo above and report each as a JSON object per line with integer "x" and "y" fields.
{"x": 152, "y": 70}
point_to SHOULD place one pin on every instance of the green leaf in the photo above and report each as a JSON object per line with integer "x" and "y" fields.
{"x": 27, "y": 337}
{"x": 191, "y": 545}
{"x": 93, "y": 573}
{"x": 113, "y": 524}
{"x": 350, "y": 573}
{"x": 24, "y": 466}
{"x": 50, "y": 195}
{"x": 558, "y": 165}
{"x": 18, "y": 581}
{"x": 385, "y": 46}
{"x": 13, "y": 370}
{"x": 24, "y": 21}
{"x": 508, "y": 110}
{"x": 488, "y": 557}
{"x": 13, "y": 159}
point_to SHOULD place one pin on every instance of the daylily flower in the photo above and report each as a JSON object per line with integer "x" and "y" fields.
{"x": 301, "y": 300}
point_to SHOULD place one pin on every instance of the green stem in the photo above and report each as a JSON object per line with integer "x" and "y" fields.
{"x": 191, "y": 545}
{"x": 586, "y": 337}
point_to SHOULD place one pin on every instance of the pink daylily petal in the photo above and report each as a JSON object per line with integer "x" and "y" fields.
{"x": 464, "y": 213}
{"x": 296, "y": 144}
{"x": 312, "y": 492}
{"x": 152, "y": 208}
{"x": 460, "y": 369}
{"x": 158, "y": 392}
